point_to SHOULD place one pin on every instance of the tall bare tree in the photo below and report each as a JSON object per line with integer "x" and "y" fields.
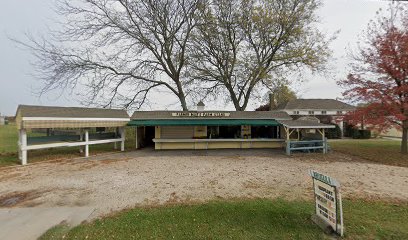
{"x": 118, "y": 51}
{"x": 242, "y": 45}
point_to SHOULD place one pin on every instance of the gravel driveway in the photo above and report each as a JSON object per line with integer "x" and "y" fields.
{"x": 148, "y": 177}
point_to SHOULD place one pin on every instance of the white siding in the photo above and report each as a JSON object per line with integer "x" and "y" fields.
{"x": 316, "y": 112}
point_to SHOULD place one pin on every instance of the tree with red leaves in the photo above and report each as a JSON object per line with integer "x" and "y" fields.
{"x": 379, "y": 74}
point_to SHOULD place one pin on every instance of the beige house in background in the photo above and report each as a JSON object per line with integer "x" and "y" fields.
{"x": 323, "y": 110}
{"x": 393, "y": 133}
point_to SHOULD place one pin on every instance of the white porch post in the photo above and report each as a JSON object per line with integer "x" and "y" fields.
{"x": 23, "y": 146}
{"x": 122, "y": 136}
{"x": 86, "y": 143}
{"x": 341, "y": 125}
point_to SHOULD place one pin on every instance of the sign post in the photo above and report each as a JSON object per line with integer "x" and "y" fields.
{"x": 329, "y": 210}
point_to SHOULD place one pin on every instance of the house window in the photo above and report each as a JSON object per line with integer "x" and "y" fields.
{"x": 296, "y": 112}
{"x": 324, "y": 112}
{"x": 311, "y": 112}
{"x": 339, "y": 112}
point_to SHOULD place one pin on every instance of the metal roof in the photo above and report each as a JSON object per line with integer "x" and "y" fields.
{"x": 69, "y": 112}
{"x": 260, "y": 115}
{"x": 315, "y": 104}
{"x": 304, "y": 124}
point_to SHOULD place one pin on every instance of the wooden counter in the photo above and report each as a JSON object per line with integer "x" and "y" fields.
{"x": 234, "y": 143}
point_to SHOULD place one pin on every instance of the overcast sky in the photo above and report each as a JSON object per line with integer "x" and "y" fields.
{"x": 20, "y": 16}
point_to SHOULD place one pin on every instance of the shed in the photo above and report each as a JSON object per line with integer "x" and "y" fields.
{"x": 291, "y": 126}
{"x": 76, "y": 119}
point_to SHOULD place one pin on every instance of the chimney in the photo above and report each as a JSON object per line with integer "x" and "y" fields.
{"x": 200, "y": 106}
{"x": 272, "y": 102}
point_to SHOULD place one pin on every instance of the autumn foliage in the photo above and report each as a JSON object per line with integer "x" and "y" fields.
{"x": 379, "y": 74}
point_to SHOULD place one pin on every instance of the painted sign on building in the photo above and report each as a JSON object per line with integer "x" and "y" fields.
{"x": 200, "y": 114}
{"x": 328, "y": 200}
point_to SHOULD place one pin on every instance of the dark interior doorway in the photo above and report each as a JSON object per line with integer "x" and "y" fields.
{"x": 149, "y": 135}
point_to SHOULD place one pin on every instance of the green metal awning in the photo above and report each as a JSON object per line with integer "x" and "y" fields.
{"x": 204, "y": 122}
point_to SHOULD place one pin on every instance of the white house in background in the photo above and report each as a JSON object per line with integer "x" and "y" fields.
{"x": 392, "y": 133}
{"x": 325, "y": 110}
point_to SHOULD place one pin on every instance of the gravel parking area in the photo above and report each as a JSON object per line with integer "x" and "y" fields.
{"x": 147, "y": 177}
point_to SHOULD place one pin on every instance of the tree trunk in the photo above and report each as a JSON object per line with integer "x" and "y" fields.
{"x": 404, "y": 142}
{"x": 181, "y": 96}
{"x": 183, "y": 102}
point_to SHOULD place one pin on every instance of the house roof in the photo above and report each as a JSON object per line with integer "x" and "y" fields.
{"x": 265, "y": 115}
{"x": 304, "y": 124}
{"x": 315, "y": 104}
{"x": 29, "y": 117}
{"x": 69, "y": 112}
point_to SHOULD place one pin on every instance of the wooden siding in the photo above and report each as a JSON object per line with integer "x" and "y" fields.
{"x": 217, "y": 145}
{"x": 177, "y": 132}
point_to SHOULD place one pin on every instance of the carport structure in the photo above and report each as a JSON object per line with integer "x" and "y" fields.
{"x": 309, "y": 130}
{"x": 54, "y": 127}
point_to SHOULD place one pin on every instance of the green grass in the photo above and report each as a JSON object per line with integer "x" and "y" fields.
{"x": 9, "y": 155}
{"x": 246, "y": 219}
{"x": 8, "y": 139}
{"x": 379, "y": 151}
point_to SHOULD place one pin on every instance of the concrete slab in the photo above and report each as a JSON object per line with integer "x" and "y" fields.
{"x": 31, "y": 223}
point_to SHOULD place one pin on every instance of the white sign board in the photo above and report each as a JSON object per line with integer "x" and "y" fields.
{"x": 200, "y": 114}
{"x": 328, "y": 200}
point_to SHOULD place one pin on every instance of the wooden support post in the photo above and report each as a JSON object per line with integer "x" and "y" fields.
{"x": 23, "y": 145}
{"x": 86, "y": 143}
{"x": 287, "y": 133}
{"x": 115, "y": 144}
{"x": 122, "y": 136}
{"x": 288, "y": 147}
{"x": 81, "y": 138}
{"x": 324, "y": 142}
{"x": 137, "y": 137}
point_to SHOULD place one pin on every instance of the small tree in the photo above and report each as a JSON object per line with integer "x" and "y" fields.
{"x": 379, "y": 74}
{"x": 281, "y": 94}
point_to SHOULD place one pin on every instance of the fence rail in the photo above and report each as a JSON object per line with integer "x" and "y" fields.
{"x": 306, "y": 146}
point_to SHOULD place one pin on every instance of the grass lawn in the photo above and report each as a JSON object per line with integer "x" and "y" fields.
{"x": 245, "y": 219}
{"x": 9, "y": 155}
{"x": 8, "y": 138}
{"x": 376, "y": 150}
